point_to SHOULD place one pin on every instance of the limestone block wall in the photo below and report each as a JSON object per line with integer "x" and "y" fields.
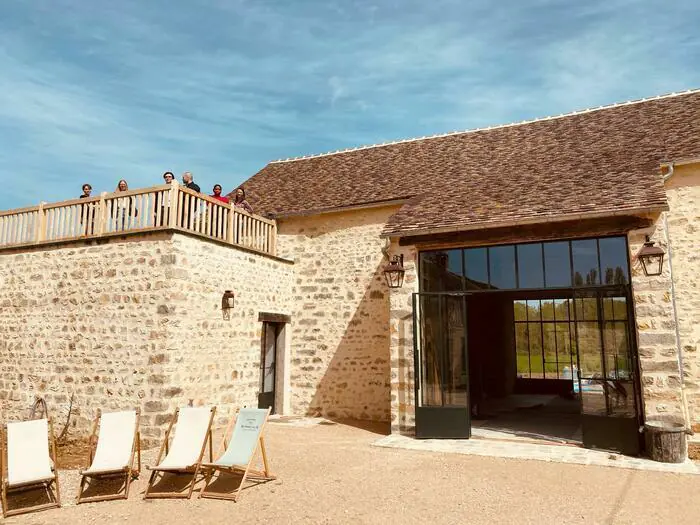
{"x": 683, "y": 225}
{"x": 340, "y": 342}
{"x": 132, "y": 321}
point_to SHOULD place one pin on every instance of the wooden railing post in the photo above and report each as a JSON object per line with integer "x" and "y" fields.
{"x": 40, "y": 227}
{"x": 102, "y": 218}
{"x": 229, "y": 226}
{"x": 172, "y": 219}
{"x": 273, "y": 239}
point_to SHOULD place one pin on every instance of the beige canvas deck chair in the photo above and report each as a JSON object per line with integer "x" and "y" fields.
{"x": 29, "y": 462}
{"x": 240, "y": 452}
{"x": 113, "y": 456}
{"x": 184, "y": 454}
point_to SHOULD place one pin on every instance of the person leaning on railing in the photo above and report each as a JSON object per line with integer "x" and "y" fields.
{"x": 124, "y": 207}
{"x": 85, "y": 210}
{"x": 165, "y": 205}
{"x": 215, "y": 219}
{"x": 239, "y": 200}
{"x": 185, "y": 214}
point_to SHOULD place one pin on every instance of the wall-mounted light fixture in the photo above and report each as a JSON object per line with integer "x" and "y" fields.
{"x": 228, "y": 301}
{"x": 394, "y": 272}
{"x": 652, "y": 258}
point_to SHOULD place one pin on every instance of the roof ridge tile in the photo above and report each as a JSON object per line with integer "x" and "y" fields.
{"x": 488, "y": 128}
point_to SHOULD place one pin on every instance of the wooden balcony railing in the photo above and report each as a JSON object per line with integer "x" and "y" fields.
{"x": 170, "y": 206}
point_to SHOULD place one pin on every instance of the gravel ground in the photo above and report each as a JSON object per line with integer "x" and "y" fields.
{"x": 331, "y": 474}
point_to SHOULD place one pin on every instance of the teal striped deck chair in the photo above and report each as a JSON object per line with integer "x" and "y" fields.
{"x": 240, "y": 452}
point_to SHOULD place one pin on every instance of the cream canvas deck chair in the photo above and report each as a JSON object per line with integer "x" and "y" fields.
{"x": 184, "y": 454}
{"x": 117, "y": 445}
{"x": 240, "y": 452}
{"x": 29, "y": 462}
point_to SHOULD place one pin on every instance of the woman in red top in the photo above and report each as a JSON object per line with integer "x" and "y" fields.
{"x": 217, "y": 194}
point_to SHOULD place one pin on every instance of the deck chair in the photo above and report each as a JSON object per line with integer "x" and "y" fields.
{"x": 184, "y": 454}
{"x": 113, "y": 455}
{"x": 30, "y": 459}
{"x": 240, "y": 452}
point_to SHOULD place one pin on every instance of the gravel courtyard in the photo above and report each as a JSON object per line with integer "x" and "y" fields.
{"x": 329, "y": 473}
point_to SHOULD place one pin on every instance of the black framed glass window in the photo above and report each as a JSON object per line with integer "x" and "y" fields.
{"x": 553, "y": 264}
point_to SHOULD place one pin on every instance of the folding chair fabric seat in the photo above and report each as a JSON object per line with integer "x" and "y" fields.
{"x": 115, "y": 443}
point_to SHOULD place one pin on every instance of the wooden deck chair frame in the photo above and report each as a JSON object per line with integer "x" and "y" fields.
{"x": 194, "y": 469}
{"x": 129, "y": 472}
{"x": 263, "y": 475}
{"x": 46, "y": 483}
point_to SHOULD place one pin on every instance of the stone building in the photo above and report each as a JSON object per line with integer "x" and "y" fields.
{"x": 524, "y": 307}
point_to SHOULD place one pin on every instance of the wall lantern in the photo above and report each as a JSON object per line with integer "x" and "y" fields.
{"x": 394, "y": 272}
{"x": 228, "y": 301}
{"x": 652, "y": 258}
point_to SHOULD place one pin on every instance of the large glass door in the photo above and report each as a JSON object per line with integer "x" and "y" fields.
{"x": 441, "y": 365}
{"x": 607, "y": 369}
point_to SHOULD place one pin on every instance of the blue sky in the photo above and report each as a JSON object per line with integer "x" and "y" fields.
{"x": 101, "y": 90}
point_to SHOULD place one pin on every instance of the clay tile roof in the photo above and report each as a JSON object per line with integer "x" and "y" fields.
{"x": 595, "y": 162}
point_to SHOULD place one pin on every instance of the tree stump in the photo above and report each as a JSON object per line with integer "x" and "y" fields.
{"x": 665, "y": 442}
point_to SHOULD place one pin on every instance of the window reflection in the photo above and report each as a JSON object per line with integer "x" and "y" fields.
{"x": 613, "y": 260}
{"x": 585, "y": 259}
{"x": 502, "y": 267}
{"x": 442, "y": 271}
{"x": 530, "y": 268}
{"x": 557, "y": 265}
{"x": 476, "y": 269}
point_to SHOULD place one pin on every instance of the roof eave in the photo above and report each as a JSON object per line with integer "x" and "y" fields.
{"x": 526, "y": 221}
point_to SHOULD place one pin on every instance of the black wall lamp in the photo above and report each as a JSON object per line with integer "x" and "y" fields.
{"x": 394, "y": 272}
{"x": 652, "y": 258}
{"x": 228, "y": 301}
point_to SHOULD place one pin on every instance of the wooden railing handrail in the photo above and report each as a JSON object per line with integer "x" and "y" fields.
{"x": 167, "y": 206}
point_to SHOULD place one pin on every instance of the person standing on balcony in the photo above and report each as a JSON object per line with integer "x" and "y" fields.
{"x": 215, "y": 216}
{"x": 168, "y": 177}
{"x": 217, "y": 194}
{"x": 188, "y": 181}
{"x": 86, "y": 211}
{"x": 123, "y": 207}
{"x": 239, "y": 200}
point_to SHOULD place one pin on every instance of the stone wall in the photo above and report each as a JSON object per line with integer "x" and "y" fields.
{"x": 132, "y": 321}
{"x": 683, "y": 222}
{"x": 340, "y": 343}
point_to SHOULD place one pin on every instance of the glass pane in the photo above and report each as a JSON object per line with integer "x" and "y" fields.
{"x": 617, "y": 364}
{"x": 613, "y": 260}
{"x": 431, "y": 351}
{"x": 522, "y": 352}
{"x": 536, "y": 364}
{"x": 533, "y": 310}
{"x": 608, "y": 308}
{"x": 520, "y": 310}
{"x": 550, "y": 350}
{"x": 586, "y": 309}
{"x": 476, "y": 269}
{"x": 441, "y": 271}
{"x": 502, "y": 267}
{"x": 456, "y": 358}
{"x": 561, "y": 309}
{"x": 621, "y": 398}
{"x": 548, "y": 310}
{"x": 593, "y": 397}
{"x": 619, "y": 306}
{"x": 586, "y": 271}
{"x": 564, "y": 355}
{"x": 590, "y": 351}
{"x": 530, "y": 268}
{"x": 269, "y": 380}
{"x": 557, "y": 265}
{"x": 270, "y": 345}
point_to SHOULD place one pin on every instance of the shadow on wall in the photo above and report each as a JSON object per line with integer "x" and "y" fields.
{"x": 356, "y": 380}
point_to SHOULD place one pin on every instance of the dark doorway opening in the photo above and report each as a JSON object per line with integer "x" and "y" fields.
{"x": 271, "y": 342}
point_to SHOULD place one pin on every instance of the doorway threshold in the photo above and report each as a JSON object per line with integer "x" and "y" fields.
{"x": 523, "y": 450}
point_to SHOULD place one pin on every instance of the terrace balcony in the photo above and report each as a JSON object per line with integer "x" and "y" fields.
{"x": 165, "y": 207}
